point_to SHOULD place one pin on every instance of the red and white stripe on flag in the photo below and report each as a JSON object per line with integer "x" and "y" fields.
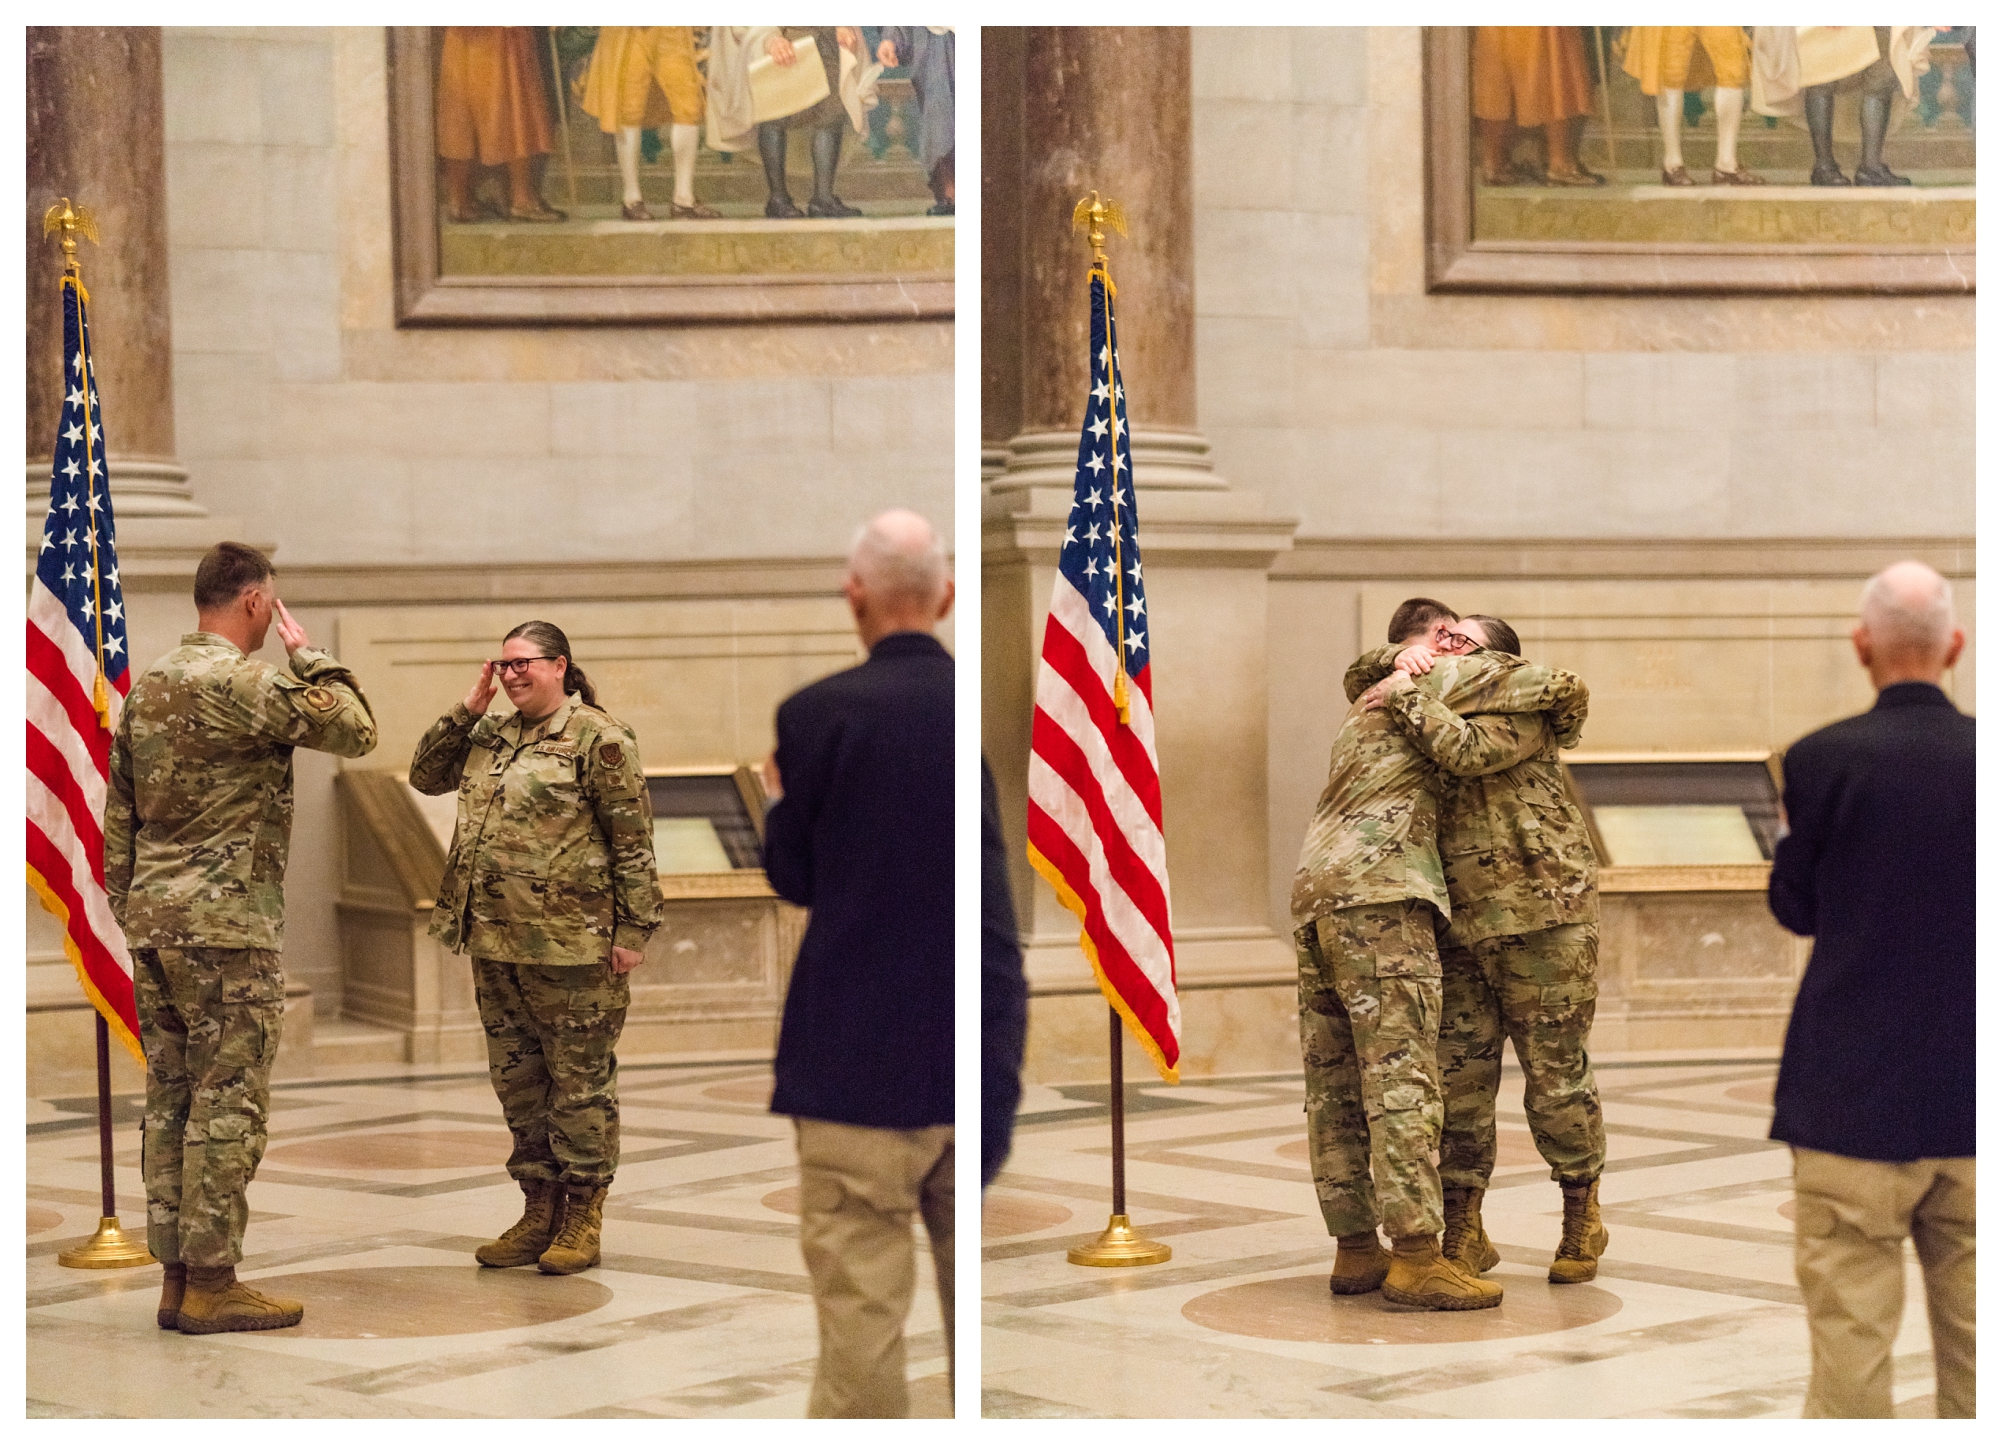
{"x": 1095, "y": 823}
{"x": 1094, "y": 778}
{"x": 75, "y": 646}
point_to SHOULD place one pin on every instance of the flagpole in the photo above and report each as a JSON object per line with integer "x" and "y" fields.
{"x": 110, "y": 1247}
{"x": 1120, "y": 1244}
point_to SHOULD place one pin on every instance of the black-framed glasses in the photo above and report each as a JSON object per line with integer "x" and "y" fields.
{"x": 1457, "y": 642}
{"x": 519, "y": 665}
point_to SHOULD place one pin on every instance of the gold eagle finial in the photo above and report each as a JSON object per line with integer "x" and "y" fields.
{"x": 71, "y": 221}
{"x": 1094, "y": 215}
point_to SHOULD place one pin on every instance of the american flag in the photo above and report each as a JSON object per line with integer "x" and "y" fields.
{"x": 78, "y": 676}
{"x": 1094, "y": 779}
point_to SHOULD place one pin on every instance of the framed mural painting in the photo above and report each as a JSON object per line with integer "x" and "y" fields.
{"x": 1699, "y": 158}
{"x": 575, "y": 174}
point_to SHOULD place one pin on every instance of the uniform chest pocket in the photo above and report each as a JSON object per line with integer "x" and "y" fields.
{"x": 545, "y": 779}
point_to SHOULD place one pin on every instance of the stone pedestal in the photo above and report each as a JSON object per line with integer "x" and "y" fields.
{"x": 1112, "y": 114}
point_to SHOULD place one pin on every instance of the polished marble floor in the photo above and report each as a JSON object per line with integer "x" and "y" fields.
{"x": 376, "y": 1187}
{"x": 1694, "y": 1314}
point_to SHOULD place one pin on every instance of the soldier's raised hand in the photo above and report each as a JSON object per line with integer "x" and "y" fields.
{"x": 290, "y": 633}
{"x": 1415, "y": 660}
{"x": 483, "y": 691}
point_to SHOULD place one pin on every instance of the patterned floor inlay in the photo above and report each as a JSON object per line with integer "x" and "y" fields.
{"x": 371, "y": 1198}
{"x": 1695, "y": 1313}
{"x": 1299, "y": 1307}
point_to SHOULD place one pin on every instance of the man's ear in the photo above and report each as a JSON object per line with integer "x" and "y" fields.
{"x": 1859, "y": 635}
{"x": 1953, "y": 648}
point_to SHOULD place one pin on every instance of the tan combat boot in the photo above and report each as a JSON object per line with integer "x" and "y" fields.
{"x": 217, "y": 1302}
{"x": 575, "y": 1247}
{"x": 1585, "y": 1236}
{"x": 173, "y": 1289}
{"x": 528, "y": 1236}
{"x": 1466, "y": 1239}
{"x": 1360, "y": 1264}
{"x": 1420, "y": 1275}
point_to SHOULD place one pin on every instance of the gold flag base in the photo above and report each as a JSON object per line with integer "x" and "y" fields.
{"x": 109, "y": 1248}
{"x": 1120, "y": 1244}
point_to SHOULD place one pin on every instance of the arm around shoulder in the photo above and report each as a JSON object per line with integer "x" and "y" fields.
{"x": 1465, "y": 746}
{"x": 1368, "y": 670}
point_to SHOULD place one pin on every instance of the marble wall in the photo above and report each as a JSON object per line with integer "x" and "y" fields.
{"x": 1327, "y": 376}
{"x": 302, "y": 409}
{"x": 1678, "y": 496}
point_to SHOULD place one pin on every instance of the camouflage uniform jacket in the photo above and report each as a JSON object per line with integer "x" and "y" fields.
{"x": 198, "y": 811}
{"x": 1517, "y": 854}
{"x": 1374, "y": 834}
{"x": 552, "y": 858}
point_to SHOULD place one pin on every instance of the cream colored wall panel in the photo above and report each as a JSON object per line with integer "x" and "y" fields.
{"x": 697, "y": 681}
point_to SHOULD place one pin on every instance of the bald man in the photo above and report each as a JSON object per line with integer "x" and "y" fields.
{"x": 1876, "y": 1087}
{"x": 862, "y": 835}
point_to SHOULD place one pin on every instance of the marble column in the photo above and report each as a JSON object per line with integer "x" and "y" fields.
{"x": 95, "y": 135}
{"x": 1066, "y": 110}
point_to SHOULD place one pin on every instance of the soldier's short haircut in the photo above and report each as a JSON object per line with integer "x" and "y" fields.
{"x": 226, "y": 571}
{"x": 1414, "y": 615}
{"x": 1501, "y": 637}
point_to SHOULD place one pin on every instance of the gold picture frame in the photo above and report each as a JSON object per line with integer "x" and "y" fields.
{"x": 1456, "y": 260}
{"x": 428, "y": 296}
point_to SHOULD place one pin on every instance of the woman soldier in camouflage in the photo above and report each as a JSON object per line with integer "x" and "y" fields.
{"x": 551, "y": 887}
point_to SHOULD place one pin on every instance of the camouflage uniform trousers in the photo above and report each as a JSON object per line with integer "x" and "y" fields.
{"x": 1369, "y": 1033}
{"x": 551, "y": 1031}
{"x": 209, "y": 1021}
{"x": 1539, "y": 989}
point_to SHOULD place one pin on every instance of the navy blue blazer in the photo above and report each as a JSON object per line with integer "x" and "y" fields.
{"x": 863, "y": 836}
{"x": 1879, "y": 868}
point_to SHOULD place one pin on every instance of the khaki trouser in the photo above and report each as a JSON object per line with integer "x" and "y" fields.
{"x": 209, "y": 1020}
{"x": 858, "y": 1188}
{"x": 1852, "y": 1216}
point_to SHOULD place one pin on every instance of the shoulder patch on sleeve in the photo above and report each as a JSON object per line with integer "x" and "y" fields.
{"x": 611, "y": 755}
{"x": 318, "y": 703}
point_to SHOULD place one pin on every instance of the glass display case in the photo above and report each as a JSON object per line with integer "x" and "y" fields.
{"x": 1689, "y": 954}
{"x": 709, "y": 820}
{"x": 1667, "y": 809}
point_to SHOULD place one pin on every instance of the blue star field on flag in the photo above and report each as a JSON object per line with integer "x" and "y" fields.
{"x": 78, "y": 562}
{"x": 1101, "y": 551}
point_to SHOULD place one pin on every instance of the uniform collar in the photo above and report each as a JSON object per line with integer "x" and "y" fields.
{"x": 209, "y": 639}
{"x": 550, "y": 726}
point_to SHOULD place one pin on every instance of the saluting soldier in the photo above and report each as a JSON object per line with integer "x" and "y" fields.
{"x": 551, "y": 886}
{"x": 197, "y": 824}
{"x": 1519, "y": 958}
